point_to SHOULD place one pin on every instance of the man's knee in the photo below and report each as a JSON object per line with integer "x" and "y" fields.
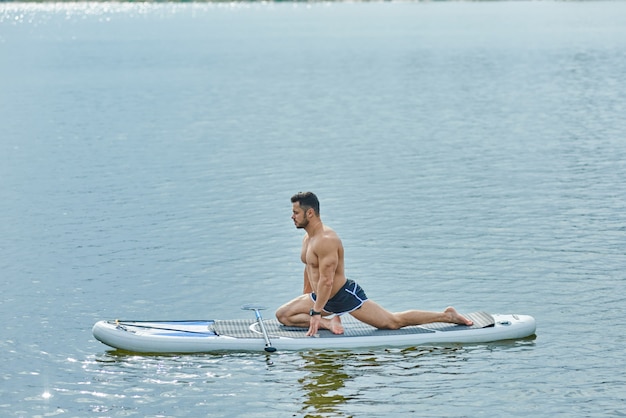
{"x": 281, "y": 315}
{"x": 285, "y": 313}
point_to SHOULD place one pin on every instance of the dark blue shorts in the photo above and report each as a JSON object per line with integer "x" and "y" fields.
{"x": 349, "y": 298}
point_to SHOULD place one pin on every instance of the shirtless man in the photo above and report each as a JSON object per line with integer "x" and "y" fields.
{"x": 328, "y": 292}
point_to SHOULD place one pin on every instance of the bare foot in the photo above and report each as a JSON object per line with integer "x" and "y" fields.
{"x": 335, "y": 325}
{"x": 456, "y": 318}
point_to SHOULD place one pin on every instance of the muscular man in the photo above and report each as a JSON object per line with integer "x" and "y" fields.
{"x": 328, "y": 292}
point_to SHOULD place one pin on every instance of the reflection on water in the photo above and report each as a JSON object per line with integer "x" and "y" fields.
{"x": 323, "y": 383}
{"x": 334, "y": 378}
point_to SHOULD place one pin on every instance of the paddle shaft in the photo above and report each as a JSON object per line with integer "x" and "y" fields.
{"x": 268, "y": 344}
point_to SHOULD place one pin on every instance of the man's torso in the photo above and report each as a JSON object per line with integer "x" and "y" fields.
{"x": 324, "y": 242}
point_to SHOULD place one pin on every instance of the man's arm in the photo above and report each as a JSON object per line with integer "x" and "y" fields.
{"x": 328, "y": 259}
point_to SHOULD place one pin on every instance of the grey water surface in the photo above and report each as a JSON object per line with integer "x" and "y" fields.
{"x": 468, "y": 153}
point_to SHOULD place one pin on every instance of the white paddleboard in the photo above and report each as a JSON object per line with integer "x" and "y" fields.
{"x": 202, "y": 336}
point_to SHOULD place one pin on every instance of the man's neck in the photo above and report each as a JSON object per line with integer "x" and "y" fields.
{"x": 314, "y": 227}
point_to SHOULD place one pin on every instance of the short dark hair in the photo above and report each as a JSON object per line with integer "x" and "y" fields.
{"x": 307, "y": 200}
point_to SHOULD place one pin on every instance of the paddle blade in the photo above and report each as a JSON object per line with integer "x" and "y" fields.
{"x": 253, "y": 307}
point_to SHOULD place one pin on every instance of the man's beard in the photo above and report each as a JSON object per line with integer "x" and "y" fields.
{"x": 302, "y": 225}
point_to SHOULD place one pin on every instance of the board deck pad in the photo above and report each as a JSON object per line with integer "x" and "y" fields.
{"x": 240, "y": 328}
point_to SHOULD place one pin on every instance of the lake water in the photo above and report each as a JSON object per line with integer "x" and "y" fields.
{"x": 468, "y": 153}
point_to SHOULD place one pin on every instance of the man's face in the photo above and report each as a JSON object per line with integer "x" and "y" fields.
{"x": 299, "y": 216}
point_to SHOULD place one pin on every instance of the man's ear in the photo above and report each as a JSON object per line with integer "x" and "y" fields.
{"x": 310, "y": 211}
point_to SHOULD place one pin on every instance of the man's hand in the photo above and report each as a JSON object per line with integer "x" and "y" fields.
{"x": 314, "y": 325}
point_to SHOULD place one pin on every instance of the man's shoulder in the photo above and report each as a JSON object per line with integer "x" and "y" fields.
{"x": 329, "y": 237}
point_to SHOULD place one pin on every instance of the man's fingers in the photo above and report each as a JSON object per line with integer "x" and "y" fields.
{"x": 313, "y": 326}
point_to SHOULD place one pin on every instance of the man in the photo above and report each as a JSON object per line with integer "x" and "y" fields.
{"x": 328, "y": 292}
